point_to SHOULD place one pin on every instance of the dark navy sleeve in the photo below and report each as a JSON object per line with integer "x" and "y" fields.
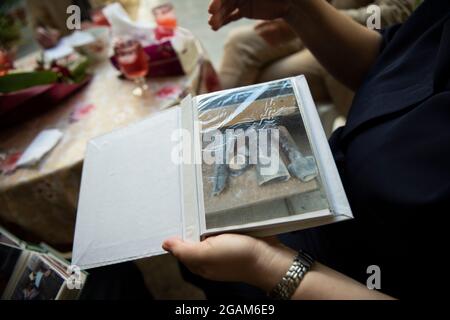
{"x": 388, "y": 34}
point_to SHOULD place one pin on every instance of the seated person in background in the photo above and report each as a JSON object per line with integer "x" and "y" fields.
{"x": 49, "y": 19}
{"x": 271, "y": 50}
{"x": 392, "y": 156}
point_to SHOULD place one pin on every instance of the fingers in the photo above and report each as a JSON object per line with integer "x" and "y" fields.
{"x": 236, "y": 15}
{"x": 214, "y": 6}
{"x": 223, "y": 12}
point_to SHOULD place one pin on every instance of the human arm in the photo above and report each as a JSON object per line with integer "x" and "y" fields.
{"x": 275, "y": 32}
{"x": 262, "y": 264}
{"x": 392, "y": 12}
{"x": 345, "y": 48}
{"x": 278, "y": 31}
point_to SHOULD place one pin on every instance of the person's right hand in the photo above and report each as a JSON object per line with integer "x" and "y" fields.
{"x": 275, "y": 32}
{"x": 225, "y": 11}
{"x": 236, "y": 258}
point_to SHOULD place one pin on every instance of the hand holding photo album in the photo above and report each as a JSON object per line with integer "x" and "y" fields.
{"x": 251, "y": 160}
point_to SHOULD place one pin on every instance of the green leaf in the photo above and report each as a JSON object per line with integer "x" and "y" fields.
{"x": 78, "y": 69}
{"x": 18, "y": 81}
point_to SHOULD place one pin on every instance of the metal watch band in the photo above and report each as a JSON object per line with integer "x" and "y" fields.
{"x": 290, "y": 282}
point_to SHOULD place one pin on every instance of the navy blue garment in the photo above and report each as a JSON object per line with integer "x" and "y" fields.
{"x": 393, "y": 156}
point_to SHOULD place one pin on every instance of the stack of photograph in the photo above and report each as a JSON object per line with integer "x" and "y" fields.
{"x": 35, "y": 272}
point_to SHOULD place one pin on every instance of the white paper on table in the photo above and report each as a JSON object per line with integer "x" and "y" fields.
{"x": 45, "y": 141}
{"x": 66, "y": 45}
{"x": 122, "y": 25}
{"x": 78, "y": 39}
{"x": 60, "y": 51}
{"x": 130, "y": 197}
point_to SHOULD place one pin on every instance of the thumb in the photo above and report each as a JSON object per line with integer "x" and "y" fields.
{"x": 184, "y": 251}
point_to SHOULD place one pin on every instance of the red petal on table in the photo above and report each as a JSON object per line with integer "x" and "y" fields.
{"x": 169, "y": 91}
{"x": 81, "y": 111}
{"x": 9, "y": 165}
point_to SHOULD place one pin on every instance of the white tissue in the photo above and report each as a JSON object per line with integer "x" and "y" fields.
{"x": 44, "y": 142}
{"x": 122, "y": 25}
{"x": 60, "y": 51}
{"x": 78, "y": 39}
{"x": 66, "y": 45}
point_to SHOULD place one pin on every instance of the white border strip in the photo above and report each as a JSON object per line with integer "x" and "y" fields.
{"x": 331, "y": 179}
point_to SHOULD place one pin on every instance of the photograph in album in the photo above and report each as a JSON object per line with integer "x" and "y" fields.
{"x": 258, "y": 163}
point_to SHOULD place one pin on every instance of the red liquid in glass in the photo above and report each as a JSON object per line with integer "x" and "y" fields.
{"x": 165, "y": 19}
{"x": 134, "y": 63}
{"x": 168, "y": 21}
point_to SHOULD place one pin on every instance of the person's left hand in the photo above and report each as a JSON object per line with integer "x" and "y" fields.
{"x": 231, "y": 257}
{"x": 226, "y": 11}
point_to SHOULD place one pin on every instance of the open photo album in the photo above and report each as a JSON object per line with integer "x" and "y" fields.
{"x": 251, "y": 160}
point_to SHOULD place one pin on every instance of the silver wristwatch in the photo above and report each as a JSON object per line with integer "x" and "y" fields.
{"x": 290, "y": 282}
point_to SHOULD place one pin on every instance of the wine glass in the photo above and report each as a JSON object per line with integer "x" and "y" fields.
{"x": 133, "y": 62}
{"x": 166, "y": 21}
{"x": 165, "y": 16}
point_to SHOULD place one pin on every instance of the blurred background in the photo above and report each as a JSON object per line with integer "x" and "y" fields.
{"x": 161, "y": 274}
{"x": 194, "y": 18}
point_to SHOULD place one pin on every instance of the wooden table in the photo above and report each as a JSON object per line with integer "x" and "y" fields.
{"x": 42, "y": 201}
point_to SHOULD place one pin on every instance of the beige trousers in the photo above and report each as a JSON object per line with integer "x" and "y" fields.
{"x": 248, "y": 59}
